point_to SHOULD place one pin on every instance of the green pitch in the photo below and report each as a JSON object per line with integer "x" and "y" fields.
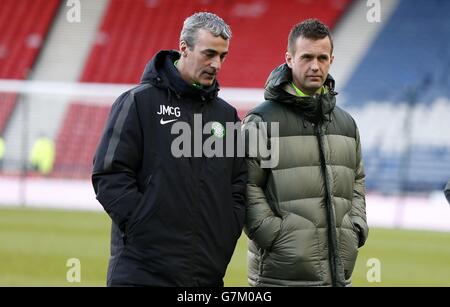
{"x": 35, "y": 245}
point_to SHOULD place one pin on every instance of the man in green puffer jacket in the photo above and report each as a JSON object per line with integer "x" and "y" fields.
{"x": 306, "y": 214}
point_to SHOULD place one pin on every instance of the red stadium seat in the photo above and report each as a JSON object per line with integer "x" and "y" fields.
{"x": 24, "y": 25}
{"x": 78, "y": 139}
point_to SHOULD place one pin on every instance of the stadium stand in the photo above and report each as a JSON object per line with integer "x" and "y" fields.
{"x": 406, "y": 68}
{"x": 133, "y": 31}
{"x": 403, "y": 74}
{"x": 24, "y": 25}
{"x": 411, "y": 51}
{"x": 78, "y": 139}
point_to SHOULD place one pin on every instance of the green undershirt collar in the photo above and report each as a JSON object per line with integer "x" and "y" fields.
{"x": 196, "y": 85}
{"x": 299, "y": 92}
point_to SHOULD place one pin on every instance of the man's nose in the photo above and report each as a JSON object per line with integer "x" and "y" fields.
{"x": 314, "y": 65}
{"x": 216, "y": 63}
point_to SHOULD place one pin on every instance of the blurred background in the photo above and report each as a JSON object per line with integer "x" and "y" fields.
{"x": 63, "y": 63}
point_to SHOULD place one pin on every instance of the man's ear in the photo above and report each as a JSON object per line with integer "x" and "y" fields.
{"x": 288, "y": 58}
{"x": 331, "y": 59}
{"x": 183, "y": 48}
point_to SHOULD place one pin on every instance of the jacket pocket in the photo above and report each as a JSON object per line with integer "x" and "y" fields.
{"x": 295, "y": 250}
{"x": 357, "y": 233}
{"x": 348, "y": 244}
{"x": 141, "y": 212}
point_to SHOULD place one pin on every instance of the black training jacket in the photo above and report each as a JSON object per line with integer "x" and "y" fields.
{"x": 175, "y": 221}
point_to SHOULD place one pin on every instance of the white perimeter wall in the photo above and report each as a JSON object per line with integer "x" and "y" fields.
{"x": 427, "y": 212}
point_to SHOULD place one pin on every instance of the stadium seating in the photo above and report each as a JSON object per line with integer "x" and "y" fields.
{"x": 24, "y": 25}
{"x": 133, "y": 31}
{"x": 411, "y": 52}
{"x": 78, "y": 139}
{"x": 407, "y": 64}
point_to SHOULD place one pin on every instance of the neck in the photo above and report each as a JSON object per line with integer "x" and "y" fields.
{"x": 305, "y": 92}
{"x": 181, "y": 67}
{"x": 179, "y": 64}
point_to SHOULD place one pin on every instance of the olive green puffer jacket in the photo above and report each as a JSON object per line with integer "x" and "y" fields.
{"x": 306, "y": 215}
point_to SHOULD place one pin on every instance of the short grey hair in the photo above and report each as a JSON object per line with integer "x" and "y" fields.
{"x": 207, "y": 21}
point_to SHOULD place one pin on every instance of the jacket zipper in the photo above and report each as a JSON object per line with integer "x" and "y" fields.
{"x": 332, "y": 238}
{"x": 196, "y": 164}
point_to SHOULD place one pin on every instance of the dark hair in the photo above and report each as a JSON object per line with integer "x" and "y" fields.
{"x": 310, "y": 28}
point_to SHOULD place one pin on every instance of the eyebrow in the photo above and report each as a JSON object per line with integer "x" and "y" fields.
{"x": 309, "y": 55}
{"x": 214, "y": 51}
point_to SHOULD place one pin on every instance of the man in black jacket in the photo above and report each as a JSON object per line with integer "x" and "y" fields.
{"x": 176, "y": 214}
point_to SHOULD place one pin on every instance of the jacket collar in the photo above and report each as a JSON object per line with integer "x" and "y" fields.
{"x": 313, "y": 108}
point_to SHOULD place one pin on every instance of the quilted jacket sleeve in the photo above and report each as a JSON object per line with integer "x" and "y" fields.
{"x": 262, "y": 225}
{"x": 358, "y": 212}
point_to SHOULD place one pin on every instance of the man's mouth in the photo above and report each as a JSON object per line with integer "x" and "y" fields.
{"x": 209, "y": 74}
